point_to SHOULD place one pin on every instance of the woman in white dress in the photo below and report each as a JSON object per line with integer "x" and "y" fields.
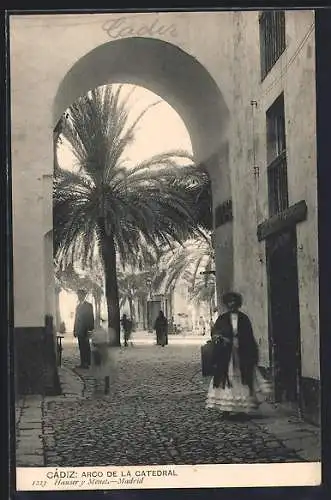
{"x": 233, "y": 388}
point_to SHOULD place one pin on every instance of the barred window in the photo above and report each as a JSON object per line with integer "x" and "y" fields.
{"x": 276, "y": 157}
{"x": 272, "y": 38}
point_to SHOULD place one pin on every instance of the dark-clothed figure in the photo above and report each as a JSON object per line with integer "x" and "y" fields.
{"x": 84, "y": 323}
{"x": 161, "y": 329}
{"x": 127, "y": 328}
{"x": 235, "y": 358}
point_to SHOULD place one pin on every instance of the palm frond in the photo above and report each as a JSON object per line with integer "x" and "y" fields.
{"x": 149, "y": 209}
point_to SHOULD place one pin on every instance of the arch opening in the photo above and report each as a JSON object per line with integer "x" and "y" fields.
{"x": 162, "y": 68}
{"x": 180, "y": 80}
{"x": 160, "y": 128}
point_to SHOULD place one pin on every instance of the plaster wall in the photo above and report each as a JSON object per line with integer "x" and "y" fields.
{"x": 43, "y": 49}
{"x": 294, "y": 75}
{"x": 40, "y": 92}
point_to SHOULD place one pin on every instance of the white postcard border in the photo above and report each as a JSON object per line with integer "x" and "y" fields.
{"x": 168, "y": 476}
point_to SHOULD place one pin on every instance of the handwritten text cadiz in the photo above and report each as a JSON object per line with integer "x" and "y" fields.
{"x": 122, "y": 27}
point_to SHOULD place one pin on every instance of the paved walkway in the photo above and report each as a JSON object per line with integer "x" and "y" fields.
{"x": 154, "y": 415}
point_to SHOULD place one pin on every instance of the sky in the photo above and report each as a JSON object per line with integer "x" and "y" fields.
{"x": 159, "y": 131}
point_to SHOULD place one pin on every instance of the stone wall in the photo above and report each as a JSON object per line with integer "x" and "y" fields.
{"x": 37, "y": 74}
{"x": 35, "y": 361}
{"x": 294, "y": 75}
{"x": 249, "y": 255}
{"x": 230, "y": 56}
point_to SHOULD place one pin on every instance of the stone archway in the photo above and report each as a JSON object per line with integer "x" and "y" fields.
{"x": 162, "y": 68}
{"x": 186, "y": 85}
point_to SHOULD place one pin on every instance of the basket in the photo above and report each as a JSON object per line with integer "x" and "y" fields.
{"x": 207, "y": 359}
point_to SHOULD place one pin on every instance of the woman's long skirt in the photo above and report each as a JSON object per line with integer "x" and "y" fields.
{"x": 235, "y": 397}
{"x": 161, "y": 338}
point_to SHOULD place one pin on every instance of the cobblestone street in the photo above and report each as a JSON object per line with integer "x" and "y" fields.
{"x": 155, "y": 414}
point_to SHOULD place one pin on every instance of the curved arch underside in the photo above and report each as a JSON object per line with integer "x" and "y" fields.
{"x": 163, "y": 68}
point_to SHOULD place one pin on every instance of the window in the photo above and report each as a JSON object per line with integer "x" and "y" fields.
{"x": 272, "y": 38}
{"x": 276, "y": 137}
{"x": 276, "y": 157}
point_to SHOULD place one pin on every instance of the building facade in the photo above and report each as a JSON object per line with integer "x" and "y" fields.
{"x": 274, "y": 175}
{"x": 244, "y": 85}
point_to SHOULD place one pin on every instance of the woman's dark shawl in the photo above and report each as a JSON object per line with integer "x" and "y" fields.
{"x": 248, "y": 349}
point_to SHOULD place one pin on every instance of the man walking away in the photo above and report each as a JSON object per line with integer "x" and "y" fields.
{"x": 84, "y": 323}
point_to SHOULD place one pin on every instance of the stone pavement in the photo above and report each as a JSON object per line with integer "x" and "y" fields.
{"x": 154, "y": 415}
{"x": 29, "y": 432}
{"x": 33, "y": 436}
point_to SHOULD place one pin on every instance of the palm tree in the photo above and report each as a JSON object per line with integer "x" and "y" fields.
{"x": 187, "y": 261}
{"x": 200, "y": 192}
{"x": 133, "y": 289}
{"x": 113, "y": 210}
{"x": 203, "y": 290}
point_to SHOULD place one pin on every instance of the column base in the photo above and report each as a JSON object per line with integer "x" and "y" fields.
{"x": 35, "y": 366}
{"x": 311, "y": 405}
{"x": 310, "y": 398}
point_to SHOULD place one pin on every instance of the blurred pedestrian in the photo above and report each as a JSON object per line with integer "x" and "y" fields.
{"x": 101, "y": 356}
{"x": 83, "y": 326}
{"x": 161, "y": 329}
{"x": 233, "y": 388}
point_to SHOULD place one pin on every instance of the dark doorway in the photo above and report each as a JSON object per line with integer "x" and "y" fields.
{"x": 284, "y": 316}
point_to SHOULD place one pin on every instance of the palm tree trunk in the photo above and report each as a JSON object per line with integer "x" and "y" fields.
{"x": 211, "y": 309}
{"x": 97, "y": 305}
{"x": 108, "y": 252}
{"x": 132, "y": 309}
{"x": 98, "y": 308}
{"x": 145, "y": 314}
{"x": 57, "y": 308}
{"x": 141, "y": 314}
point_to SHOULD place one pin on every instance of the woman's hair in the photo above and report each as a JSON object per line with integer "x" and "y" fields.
{"x": 232, "y": 296}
